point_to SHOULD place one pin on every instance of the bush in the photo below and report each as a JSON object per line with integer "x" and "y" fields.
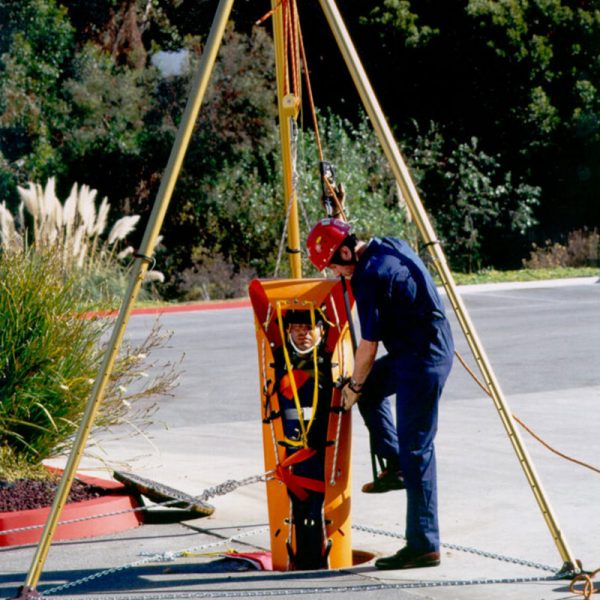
{"x": 581, "y": 250}
{"x": 213, "y": 277}
{"x": 244, "y": 211}
{"x": 55, "y": 264}
{"x": 470, "y": 197}
{"x": 49, "y": 357}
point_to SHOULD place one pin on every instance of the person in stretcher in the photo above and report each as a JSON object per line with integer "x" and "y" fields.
{"x": 304, "y": 389}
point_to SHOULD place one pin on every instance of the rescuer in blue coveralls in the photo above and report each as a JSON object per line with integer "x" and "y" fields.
{"x": 398, "y": 305}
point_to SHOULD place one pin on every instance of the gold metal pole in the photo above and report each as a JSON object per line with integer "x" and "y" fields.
{"x": 288, "y": 107}
{"x": 140, "y": 266}
{"x": 421, "y": 219}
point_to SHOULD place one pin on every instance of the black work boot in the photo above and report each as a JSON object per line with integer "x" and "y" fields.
{"x": 408, "y": 559}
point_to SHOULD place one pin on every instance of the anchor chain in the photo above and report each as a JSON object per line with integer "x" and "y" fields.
{"x": 219, "y": 490}
{"x": 172, "y": 555}
{"x": 158, "y": 557}
{"x": 466, "y": 549}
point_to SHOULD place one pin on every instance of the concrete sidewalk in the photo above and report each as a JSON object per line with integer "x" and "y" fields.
{"x": 498, "y": 516}
{"x": 496, "y": 542}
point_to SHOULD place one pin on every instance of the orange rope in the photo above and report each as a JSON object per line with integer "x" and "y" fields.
{"x": 588, "y": 585}
{"x": 313, "y": 111}
{"x": 522, "y": 424}
{"x": 293, "y": 34}
{"x": 269, "y": 14}
{"x": 294, "y": 48}
{"x": 310, "y": 94}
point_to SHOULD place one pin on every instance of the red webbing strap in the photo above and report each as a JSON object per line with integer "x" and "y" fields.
{"x": 296, "y": 483}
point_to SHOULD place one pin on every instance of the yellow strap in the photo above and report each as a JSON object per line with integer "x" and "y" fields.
{"x": 304, "y": 429}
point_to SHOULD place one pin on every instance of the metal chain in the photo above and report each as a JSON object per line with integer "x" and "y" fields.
{"x": 219, "y": 490}
{"x": 158, "y": 557}
{"x": 263, "y": 593}
{"x": 467, "y": 549}
{"x": 170, "y": 556}
{"x": 230, "y": 486}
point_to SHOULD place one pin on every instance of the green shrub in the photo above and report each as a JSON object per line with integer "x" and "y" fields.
{"x": 56, "y": 262}
{"x": 243, "y": 209}
{"x": 50, "y": 354}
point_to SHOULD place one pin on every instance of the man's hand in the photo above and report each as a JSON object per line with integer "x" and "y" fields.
{"x": 349, "y": 397}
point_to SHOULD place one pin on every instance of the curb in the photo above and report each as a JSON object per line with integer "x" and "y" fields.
{"x": 542, "y": 283}
{"x": 462, "y": 289}
{"x": 117, "y": 500}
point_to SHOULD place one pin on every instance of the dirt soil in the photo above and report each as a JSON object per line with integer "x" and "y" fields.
{"x": 26, "y": 494}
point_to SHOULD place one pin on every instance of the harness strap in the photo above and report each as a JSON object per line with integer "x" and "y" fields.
{"x": 297, "y": 484}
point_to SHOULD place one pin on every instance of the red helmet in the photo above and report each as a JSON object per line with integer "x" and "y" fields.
{"x": 324, "y": 239}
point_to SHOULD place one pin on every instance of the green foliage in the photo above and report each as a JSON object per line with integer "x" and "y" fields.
{"x": 397, "y": 15}
{"x": 245, "y": 216}
{"x": 108, "y": 103}
{"x": 470, "y": 196}
{"x": 79, "y": 95}
{"x": 527, "y": 274}
{"x": 76, "y": 233}
{"x": 522, "y": 77}
{"x": 55, "y": 263}
{"x": 37, "y": 43}
{"x": 48, "y": 355}
{"x": 372, "y": 202}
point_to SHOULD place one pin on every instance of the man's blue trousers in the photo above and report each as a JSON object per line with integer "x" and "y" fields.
{"x": 410, "y": 442}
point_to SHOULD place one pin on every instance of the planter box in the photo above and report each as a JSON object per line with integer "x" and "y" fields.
{"x": 119, "y": 498}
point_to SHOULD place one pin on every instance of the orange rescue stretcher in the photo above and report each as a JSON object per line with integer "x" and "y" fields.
{"x": 324, "y": 299}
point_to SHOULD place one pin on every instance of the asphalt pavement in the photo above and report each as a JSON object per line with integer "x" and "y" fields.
{"x": 543, "y": 341}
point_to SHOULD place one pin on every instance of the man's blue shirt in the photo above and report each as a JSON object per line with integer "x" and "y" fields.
{"x": 398, "y": 303}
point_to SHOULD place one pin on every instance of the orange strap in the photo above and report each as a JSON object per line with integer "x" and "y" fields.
{"x": 296, "y": 483}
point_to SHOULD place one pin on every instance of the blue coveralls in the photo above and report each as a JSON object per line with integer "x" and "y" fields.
{"x": 398, "y": 305}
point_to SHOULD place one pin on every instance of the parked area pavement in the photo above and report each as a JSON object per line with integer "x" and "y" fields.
{"x": 546, "y": 342}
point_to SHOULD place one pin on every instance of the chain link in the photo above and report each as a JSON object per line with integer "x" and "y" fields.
{"x": 155, "y": 557}
{"x": 466, "y": 549}
{"x": 262, "y": 593}
{"x": 231, "y": 485}
{"x": 219, "y": 490}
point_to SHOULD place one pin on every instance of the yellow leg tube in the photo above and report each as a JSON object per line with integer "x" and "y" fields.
{"x": 288, "y": 110}
{"x": 421, "y": 219}
{"x": 140, "y": 266}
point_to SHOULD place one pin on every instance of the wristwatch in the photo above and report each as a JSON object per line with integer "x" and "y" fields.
{"x": 355, "y": 386}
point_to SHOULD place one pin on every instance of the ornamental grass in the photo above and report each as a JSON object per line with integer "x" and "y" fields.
{"x": 50, "y": 349}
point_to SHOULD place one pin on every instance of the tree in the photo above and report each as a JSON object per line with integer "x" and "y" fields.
{"x": 36, "y": 45}
{"x": 520, "y": 76}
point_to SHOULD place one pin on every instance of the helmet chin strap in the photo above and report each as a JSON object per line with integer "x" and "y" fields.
{"x": 298, "y": 350}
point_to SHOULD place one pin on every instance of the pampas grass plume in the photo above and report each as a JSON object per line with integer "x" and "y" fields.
{"x": 122, "y": 228}
{"x": 87, "y": 208}
{"x": 102, "y": 218}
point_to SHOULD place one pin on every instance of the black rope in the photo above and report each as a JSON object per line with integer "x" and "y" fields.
{"x": 149, "y": 259}
{"x": 292, "y": 250}
{"x": 432, "y": 243}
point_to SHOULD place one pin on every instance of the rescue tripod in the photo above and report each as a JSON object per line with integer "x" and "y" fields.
{"x": 288, "y": 108}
